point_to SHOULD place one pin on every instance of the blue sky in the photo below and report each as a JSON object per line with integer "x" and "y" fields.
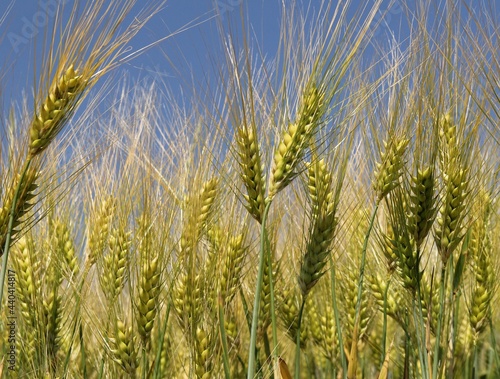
{"x": 190, "y": 51}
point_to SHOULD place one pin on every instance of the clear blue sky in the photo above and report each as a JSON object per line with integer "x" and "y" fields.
{"x": 190, "y": 51}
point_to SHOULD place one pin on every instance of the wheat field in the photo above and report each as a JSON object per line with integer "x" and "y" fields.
{"x": 318, "y": 213}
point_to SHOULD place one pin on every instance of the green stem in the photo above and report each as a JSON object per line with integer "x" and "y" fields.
{"x": 493, "y": 340}
{"x": 467, "y": 367}
{"x": 363, "y": 264}
{"x": 406, "y": 370}
{"x": 384, "y": 325}
{"x": 101, "y": 368}
{"x": 245, "y": 308}
{"x": 144, "y": 362}
{"x": 297, "y": 342}
{"x": 421, "y": 324}
{"x": 274, "y": 326}
{"x": 82, "y": 353}
{"x": 363, "y": 260}
{"x": 474, "y": 361}
{"x": 440, "y": 323}
{"x": 157, "y": 373}
{"x": 225, "y": 354}
{"x": 258, "y": 289}
{"x": 10, "y": 226}
{"x": 267, "y": 347}
{"x": 77, "y": 321}
{"x": 456, "y": 314}
{"x": 448, "y": 317}
{"x": 420, "y": 340}
{"x": 337, "y": 321}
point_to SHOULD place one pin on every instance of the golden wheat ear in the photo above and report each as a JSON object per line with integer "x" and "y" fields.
{"x": 389, "y": 170}
{"x": 296, "y": 139}
{"x": 54, "y": 111}
{"x": 124, "y": 349}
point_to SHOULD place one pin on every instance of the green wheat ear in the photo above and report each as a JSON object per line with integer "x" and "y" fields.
{"x": 295, "y": 140}
{"x": 55, "y": 110}
{"x": 482, "y": 266}
{"x": 323, "y": 226}
{"x": 27, "y": 187}
{"x": 449, "y": 229}
{"x": 149, "y": 291}
{"x": 422, "y": 204}
{"x": 251, "y": 172}
{"x": 389, "y": 170}
{"x": 124, "y": 350}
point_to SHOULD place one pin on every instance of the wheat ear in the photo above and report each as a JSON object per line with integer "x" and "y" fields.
{"x": 449, "y": 230}
{"x": 422, "y": 204}
{"x": 149, "y": 291}
{"x": 295, "y": 140}
{"x": 482, "y": 268}
{"x": 66, "y": 247}
{"x": 323, "y": 226}
{"x": 389, "y": 168}
{"x": 204, "y": 351}
{"x": 199, "y": 213}
{"x": 232, "y": 268}
{"x": 27, "y": 187}
{"x": 125, "y": 353}
{"x": 28, "y": 288}
{"x": 99, "y": 229}
{"x": 251, "y": 172}
{"x": 115, "y": 264}
{"x": 53, "y": 112}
